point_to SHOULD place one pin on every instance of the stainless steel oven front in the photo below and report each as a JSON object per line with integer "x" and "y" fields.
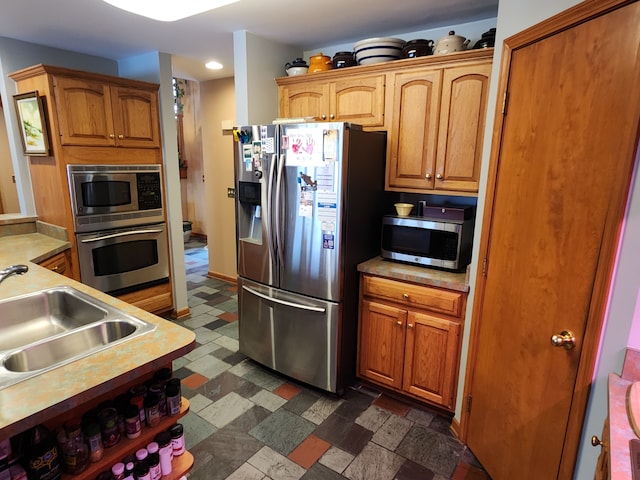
{"x": 124, "y": 259}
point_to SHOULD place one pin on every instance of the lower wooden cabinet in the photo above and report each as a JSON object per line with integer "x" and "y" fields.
{"x": 602, "y": 466}
{"x": 405, "y": 345}
{"x": 59, "y": 263}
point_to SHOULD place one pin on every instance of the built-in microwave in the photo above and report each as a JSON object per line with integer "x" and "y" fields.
{"x": 110, "y": 196}
{"x": 441, "y": 243}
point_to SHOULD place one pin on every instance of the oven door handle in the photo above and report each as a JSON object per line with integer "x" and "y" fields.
{"x": 120, "y": 234}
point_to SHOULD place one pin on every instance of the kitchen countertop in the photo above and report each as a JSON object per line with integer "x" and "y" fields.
{"x": 415, "y": 274}
{"x": 620, "y": 429}
{"x": 42, "y": 397}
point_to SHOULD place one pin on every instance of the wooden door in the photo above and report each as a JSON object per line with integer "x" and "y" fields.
{"x": 308, "y": 99}
{"x": 136, "y": 117}
{"x": 359, "y": 100}
{"x": 381, "y": 346}
{"x": 562, "y": 163}
{"x": 462, "y": 117}
{"x": 84, "y": 112}
{"x": 431, "y": 358}
{"x": 414, "y": 128}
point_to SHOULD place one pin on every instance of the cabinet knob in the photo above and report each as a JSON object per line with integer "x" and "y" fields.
{"x": 398, "y": 322}
{"x": 439, "y": 176}
{"x": 323, "y": 117}
{"x": 405, "y": 296}
{"x": 111, "y": 135}
{"x": 410, "y": 325}
{"x": 120, "y": 136}
{"x": 428, "y": 176}
{"x": 332, "y": 116}
{"x": 595, "y": 441}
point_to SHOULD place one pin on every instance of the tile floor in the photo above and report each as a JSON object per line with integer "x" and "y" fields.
{"x": 247, "y": 423}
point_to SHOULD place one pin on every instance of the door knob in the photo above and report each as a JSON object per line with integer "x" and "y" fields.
{"x": 595, "y": 441}
{"x": 566, "y": 339}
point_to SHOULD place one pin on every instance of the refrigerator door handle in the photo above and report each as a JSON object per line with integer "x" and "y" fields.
{"x": 270, "y": 236}
{"x": 278, "y": 212}
{"x": 283, "y": 302}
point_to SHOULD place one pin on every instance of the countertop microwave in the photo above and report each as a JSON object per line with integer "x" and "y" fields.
{"x": 431, "y": 242}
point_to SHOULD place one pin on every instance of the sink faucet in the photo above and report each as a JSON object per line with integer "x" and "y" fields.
{"x": 17, "y": 269}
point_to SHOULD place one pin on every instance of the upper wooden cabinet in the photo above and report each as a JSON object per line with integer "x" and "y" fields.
{"x": 358, "y": 99}
{"x": 437, "y": 128}
{"x": 95, "y": 113}
{"x": 433, "y": 109}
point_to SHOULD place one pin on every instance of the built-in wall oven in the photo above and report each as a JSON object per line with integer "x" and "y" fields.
{"x": 119, "y": 225}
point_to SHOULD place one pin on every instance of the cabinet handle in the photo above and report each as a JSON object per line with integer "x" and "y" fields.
{"x": 120, "y": 136}
{"x": 439, "y": 176}
{"x": 405, "y": 296}
{"x": 410, "y": 325}
{"x": 55, "y": 268}
{"x": 595, "y": 441}
{"x": 323, "y": 117}
{"x": 332, "y": 116}
{"x": 428, "y": 176}
{"x": 111, "y": 135}
{"x": 399, "y": 322}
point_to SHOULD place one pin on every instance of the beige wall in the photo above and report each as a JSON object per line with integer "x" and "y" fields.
{"x": 217, "y": 103}
{"x": 192, "y": 188}
{"x": 8, "y": 193}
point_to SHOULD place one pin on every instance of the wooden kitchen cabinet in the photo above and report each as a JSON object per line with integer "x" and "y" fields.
{"x": 96, "y": 113}
{"x": 409, "y": 338}
{"x": 359, "y": 99}
{"x": 59, "y": 263}
{"x": 437, "y": 148}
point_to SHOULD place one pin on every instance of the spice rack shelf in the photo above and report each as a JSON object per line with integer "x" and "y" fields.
{"x": 126, "y": 446}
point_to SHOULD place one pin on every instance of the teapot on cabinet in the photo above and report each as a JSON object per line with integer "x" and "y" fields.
{"x": 450, "y": 43}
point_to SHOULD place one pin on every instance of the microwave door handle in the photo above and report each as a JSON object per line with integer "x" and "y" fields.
{"x": 277, "y": 213}
{"x": 284, "y": 302}
{"x": 120, "y": 234}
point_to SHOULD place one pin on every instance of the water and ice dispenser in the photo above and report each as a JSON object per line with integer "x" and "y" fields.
{"x": 249, "y": 212}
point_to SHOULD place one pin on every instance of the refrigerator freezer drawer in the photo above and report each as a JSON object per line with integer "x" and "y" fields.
{"x": 292, "y": 334}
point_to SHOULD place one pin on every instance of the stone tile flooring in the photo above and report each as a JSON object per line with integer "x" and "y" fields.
{"x": 246, "y": 422}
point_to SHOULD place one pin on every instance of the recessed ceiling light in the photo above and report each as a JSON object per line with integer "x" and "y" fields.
{"x": 166, "y": 10}
{"x": 213, "y": 65}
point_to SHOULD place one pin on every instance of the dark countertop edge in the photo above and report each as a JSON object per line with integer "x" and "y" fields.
{"x": 415, "y": 274}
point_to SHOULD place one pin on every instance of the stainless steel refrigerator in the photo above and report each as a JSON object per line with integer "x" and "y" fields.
{"x": 308, "y": 210}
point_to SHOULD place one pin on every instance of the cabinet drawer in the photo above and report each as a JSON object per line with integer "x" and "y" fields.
{"x": 412, "y": 295}
{"x": 57, "y": 263}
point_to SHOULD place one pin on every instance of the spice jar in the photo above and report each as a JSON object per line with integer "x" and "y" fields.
{"x": 133, "y": 427}
{"x": 174, "y": 397}
{"x": 94, "y": 440}
{"x": 108, "y": 418}
{"x": 152, "y": 409}
{"x": 75, "y": 452}
{"x": 177, "y": 439}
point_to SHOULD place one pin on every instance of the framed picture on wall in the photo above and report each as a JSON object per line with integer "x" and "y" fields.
{"x": 33, "y": 126}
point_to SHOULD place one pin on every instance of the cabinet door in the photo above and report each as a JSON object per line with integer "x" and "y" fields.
{"x": 414, "y": 127}
{"x": 308, "y": 99}
{"x": 359, "y": 100}
{"x": 135, "y": 117}
{"x": 382, "y": 333}
{"x": 84, "y": 112}
{"x": 431, "y": 358}
{"x": 462, "y": 120}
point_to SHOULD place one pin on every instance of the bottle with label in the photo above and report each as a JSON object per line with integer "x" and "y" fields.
{"x": 42, "y": 459}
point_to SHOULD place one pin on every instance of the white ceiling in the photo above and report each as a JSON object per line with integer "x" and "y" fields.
{"x": 96, "y": 28}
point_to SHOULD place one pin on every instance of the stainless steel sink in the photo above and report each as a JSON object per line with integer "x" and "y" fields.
{"x": 46, "y": 329}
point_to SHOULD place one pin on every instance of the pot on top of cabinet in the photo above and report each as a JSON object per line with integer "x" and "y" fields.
{"x": 319, "y": 63}
{"x": 297, "y": 67}
{"x": 344, "y": 59}
{"x": 417, "y": 48}
{"x": 450, "y": 43}
{"x": 488, "y": 39}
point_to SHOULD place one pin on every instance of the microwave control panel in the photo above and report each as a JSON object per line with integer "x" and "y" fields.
{"x": 149, "y": 190}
